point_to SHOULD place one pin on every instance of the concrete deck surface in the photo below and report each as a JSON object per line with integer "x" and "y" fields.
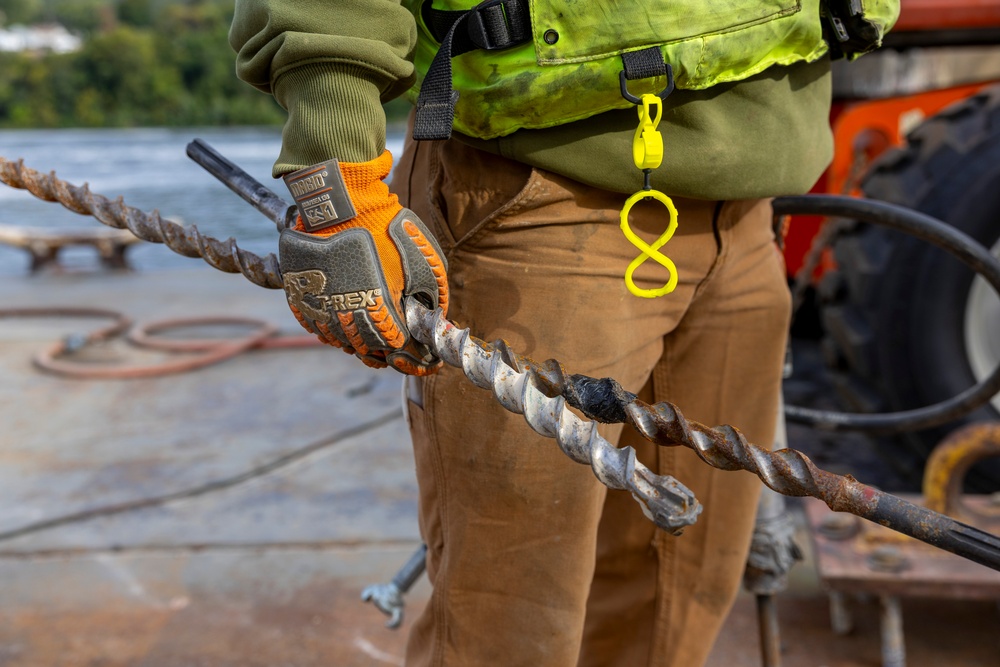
{"x": 232, "y": 515}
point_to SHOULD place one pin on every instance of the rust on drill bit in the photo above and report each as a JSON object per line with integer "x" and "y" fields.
{"x": 184, "y": 240}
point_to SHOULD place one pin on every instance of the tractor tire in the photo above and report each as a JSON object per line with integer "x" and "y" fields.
{"x": 906, "y": 324}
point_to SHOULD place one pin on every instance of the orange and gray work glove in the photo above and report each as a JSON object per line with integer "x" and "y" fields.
{"x": 352, "y": 258}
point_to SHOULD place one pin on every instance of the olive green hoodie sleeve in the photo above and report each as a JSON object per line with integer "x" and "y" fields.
{"x": 330, "y": 65}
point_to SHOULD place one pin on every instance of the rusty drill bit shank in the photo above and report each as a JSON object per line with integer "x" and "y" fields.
{"x": 184, "y": 240}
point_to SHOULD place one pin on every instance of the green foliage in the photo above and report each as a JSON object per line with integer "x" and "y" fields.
{"x": 139, "y": 13}
{"x": 81, "y": 16}
{"x": 144, "y": 62}
{"x": 19, "y": 11}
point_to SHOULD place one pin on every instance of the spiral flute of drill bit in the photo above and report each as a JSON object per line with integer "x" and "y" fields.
{"x": 184, "y": 240}
{"x": 542, "y": 391}
{"x": 514, "y": 382}
{"x": 496, "y": 367}
{"x": 663, "y": 499}
{"x": 787, "y": 471}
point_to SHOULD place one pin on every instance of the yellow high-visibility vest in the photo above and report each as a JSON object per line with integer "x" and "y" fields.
{"x": 569, "y": 69}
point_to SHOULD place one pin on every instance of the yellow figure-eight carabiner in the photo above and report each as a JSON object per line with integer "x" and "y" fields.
{"x": 650, "y": 251}
{"x": 647, "y": 153}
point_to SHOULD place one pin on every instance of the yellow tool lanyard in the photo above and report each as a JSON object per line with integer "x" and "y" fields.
{"x": 647, "y": 153}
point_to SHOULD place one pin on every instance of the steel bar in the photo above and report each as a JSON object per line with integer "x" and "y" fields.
{"x": 518, "y": 385}
{"x": 891, "y": 629}
{"x": 770, "y": 634}
{"x": 184, "y": 240}
{"x": 773, "y": 550}
{"x": 246, "y": 186}
{"x": 663, "y": 499}
{"x": 411, "y": 571}
{"x": 542, "y": 393}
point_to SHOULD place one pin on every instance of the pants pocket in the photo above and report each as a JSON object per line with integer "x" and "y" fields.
{"x": 470, "y": 190}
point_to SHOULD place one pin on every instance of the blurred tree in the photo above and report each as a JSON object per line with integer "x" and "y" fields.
{"x": 138, "y": 13}
{"x": 85, "y": 16}
{"x": 143, "y": 62}
{"x": 134, "y": 86}
{"x": 19, "y": 11}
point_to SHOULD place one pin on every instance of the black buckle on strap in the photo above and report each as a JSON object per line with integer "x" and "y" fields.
{"x": 499, "y": 24}
{"x": 490, "y": 25}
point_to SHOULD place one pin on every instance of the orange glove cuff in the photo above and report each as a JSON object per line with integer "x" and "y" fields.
{"x": 375, "y": 207}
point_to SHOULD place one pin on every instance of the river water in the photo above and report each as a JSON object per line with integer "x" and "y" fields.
{"x": 150, "y": 169}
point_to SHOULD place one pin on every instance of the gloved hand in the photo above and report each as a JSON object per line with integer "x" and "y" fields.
{"x": 352, "y": 258}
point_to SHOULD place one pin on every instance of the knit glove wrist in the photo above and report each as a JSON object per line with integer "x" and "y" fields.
{"x": 353, "y": 257}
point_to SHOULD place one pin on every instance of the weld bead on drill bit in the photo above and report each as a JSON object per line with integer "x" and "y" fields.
{"x": 517, "y": 387}
{"x": 188, "y": 241}
{"x": 787, "y": 471}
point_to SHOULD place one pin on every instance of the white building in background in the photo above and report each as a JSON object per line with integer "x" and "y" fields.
{"x": 48, "y": 37}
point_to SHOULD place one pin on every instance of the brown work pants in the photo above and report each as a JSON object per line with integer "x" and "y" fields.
{"x": 533, "y": 561}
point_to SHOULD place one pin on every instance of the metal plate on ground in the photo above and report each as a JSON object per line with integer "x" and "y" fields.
{"x": 855, "y": 555}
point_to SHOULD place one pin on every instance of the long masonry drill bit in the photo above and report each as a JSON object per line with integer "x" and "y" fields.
{"x": 663, "y": 499}
{"x": 792, "y": 473}
{"x": 542, "y": 391}
{"x": 513, "y": 379}
{"x": 184, "y": 240}
{"x": 786, "y": 471}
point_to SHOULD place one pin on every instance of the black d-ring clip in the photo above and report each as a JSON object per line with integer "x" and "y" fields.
{"x": 645, "y": 64}
{"x": 663, "y": 94}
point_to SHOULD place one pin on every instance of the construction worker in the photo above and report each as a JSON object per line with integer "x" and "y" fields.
{"x": 513, "y": 227}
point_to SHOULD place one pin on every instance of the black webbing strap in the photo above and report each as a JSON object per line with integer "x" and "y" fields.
{"x": 491, "y": 25}
{"x": 439, "y": 21}
{"x": 644, "y": 64}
